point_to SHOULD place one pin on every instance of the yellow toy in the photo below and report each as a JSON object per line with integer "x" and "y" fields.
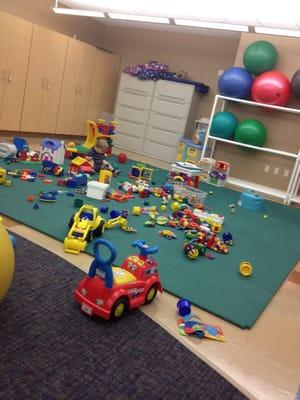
{"x": 141, "y": 172}
{"x": 85, "y": 225}
{"x": 121, "y": 221}
{"x": 2, "y": 176}
{"x": 7, "y": 261}
{"x": 246, "y": 268}
{"x": 105, "y": 176}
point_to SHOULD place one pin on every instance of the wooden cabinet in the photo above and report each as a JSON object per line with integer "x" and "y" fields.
{"x": 44, "y": 80}
{"x": 15, "y": 41}
{"x": 76, "y": 88}
{"x": 105, "y": 79}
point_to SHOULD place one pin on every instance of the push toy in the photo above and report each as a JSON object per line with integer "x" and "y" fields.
{"x": 109, "y": 291}
{"x": 84, "y": 226}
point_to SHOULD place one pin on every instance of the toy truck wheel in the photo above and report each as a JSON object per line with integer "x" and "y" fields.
{"x": 151, "y": 294}
{"x": 100, "y": 229}
{"x": 71, "y": 222}
{"x": 119, "y": 309}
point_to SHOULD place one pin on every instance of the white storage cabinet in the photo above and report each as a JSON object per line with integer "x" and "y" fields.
{"x": 152, "y": 116}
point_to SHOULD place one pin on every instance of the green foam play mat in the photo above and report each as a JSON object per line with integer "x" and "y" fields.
{"x": 270, "y": 244}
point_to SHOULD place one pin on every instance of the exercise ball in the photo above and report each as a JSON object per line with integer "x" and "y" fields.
{"x": 224, "y": 124}
{"x": 7, "y": 261}
{"x": 260, "y": 56}
{"x": 235, "y": 82}
{"x": 296, "y": 84}
{"x": 251, "y": 131}
{"x": 122, "y": 158}
{"x": 271, "y": 87}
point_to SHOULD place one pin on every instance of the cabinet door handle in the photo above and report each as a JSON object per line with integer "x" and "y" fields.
{"x": 44, "y": 83}
{"x": 79, "y": 91}
{"x": 47, "y": 85}
{"x": 9, "y": 78}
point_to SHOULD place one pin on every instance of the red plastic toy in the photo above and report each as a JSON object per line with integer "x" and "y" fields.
{"x": 109, "y": 291}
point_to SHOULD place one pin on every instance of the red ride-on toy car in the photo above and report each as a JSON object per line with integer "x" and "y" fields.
{"x": 109, "y": 291}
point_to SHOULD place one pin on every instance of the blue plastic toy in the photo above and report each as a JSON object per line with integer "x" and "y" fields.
{"x": 252, "y": 201}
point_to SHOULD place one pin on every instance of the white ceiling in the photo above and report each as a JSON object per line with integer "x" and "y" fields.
{"x": 260, "y": 13}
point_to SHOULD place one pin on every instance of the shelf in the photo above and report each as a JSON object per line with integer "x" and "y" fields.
{"x": 249, "y": 146}
{"x": 256, "y": 187}
{"x": 255, "y": 104}
{"x": 288, "y": 196}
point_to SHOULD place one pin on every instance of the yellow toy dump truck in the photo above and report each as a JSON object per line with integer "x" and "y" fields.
{"x": 85, "y": 225}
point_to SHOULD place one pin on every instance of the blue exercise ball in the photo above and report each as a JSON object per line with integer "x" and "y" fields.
{"x": 224, "y": 124}
{"x": 235, "y": 82}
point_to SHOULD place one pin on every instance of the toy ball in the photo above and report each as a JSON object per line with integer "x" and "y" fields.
{"x": 251, "y": 131}
{"x": 296, "y": 84}
{"x": 259, "y": 57}
{"x": 235, "y": 82}
{"x": 122, "y": 158}
{"x": 224, "y": 124}
{"x": 183, "y": 307}
{"x": 246, "y": 268}
{"x": 175, "y": 206}
{"x": 271, "y": 87}
{"x": 227, "y": 238}
{"x": 114, "y": 214}
{"x": 7, "y": 261}
{"x": 190, "y": 251}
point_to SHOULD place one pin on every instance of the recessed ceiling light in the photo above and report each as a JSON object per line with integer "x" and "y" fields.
{"x": 140, "y": 18}
{"x": 211, "y": 25}
{"x": 280, "y": 32}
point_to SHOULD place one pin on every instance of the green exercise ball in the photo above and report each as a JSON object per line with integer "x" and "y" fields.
{"x": 260, "y": 56}
{"x": 224, "y": 124}
{"x": 251, "y": 131}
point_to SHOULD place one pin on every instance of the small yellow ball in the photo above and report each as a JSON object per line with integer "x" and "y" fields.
{"x": 163, "y": 207}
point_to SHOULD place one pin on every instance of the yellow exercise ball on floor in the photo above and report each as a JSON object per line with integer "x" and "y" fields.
{"x": 7, "y": 261}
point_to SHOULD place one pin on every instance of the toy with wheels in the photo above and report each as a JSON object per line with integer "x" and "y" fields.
{"x": 109, "y": 291}
{"x": 7, "y": 261}
{"x": 235, "y": 82}
{"x": 84, "y": 226}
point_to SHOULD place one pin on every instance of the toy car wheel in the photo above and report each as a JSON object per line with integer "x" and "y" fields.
{"x": 150, "y": 296}
{"x": 90, "y": 237}
{"x": 71, "y": 222}
{"x": 119, "y": 309}
{"x": 100, "y": 229}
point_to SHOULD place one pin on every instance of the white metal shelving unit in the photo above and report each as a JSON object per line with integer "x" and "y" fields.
{"x": 294, "y": 183}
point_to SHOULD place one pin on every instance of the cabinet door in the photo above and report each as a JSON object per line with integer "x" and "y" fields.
{"x": 104, "y": 84}
{"x": 84, "y": 89}
{"x": 44, "y": 80}
{"x": 15, "y": 41}
{"x": 76, "y": 88}
{"x": 70, "y": 88}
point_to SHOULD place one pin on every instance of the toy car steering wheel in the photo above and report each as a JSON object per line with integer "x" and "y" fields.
{"x": 144, "y": 249}
{"x": 102, "y": 264}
